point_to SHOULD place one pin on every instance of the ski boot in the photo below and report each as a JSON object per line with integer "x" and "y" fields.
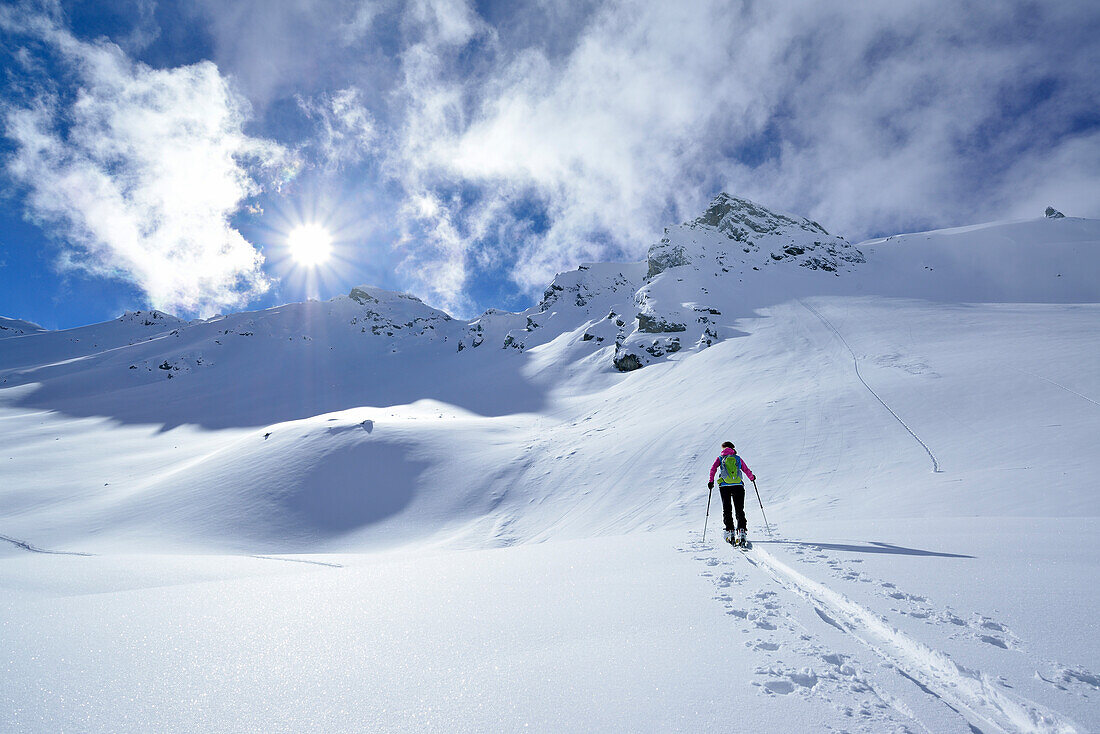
{"x": 730, "y": 537}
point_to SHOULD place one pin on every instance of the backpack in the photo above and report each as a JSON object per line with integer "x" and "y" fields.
{"x": 731, "y": 470}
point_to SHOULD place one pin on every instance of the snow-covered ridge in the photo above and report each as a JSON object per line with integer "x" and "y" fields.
{"x": 640, "y": 313}
{"x": 375, "y": 346}
{"x": 700, "y": 276}
{"x": 574, "y": 301}
{"x": 696, "y": 280}
{"x": 736, "y": 216}
{"x": 760, "y": 234}
{"x": 651, "y": 309}
{"x": 1042, "y": 260}
{"x": 150, "y": 318}
{"x": 17, "y": 327}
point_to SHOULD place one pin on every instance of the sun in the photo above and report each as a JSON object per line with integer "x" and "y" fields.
{"x": 310, "y": 245}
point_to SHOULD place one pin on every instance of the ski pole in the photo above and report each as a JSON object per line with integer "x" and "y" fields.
{"x": 709, "y": 495}
{"x": 761, "y": 508}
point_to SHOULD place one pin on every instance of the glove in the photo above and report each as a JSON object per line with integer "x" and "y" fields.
{"x": 710, "y": 485}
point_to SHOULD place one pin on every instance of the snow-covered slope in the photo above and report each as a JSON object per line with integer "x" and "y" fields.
{"x": 1033, "y": 261}
{"x": 752, "y": 323}
{"x": 36, "y": 346}
{"x": 17, "y": 327}
{"x": 913, "y": 407}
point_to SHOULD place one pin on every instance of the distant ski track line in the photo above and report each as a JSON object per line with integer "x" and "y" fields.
{"x": 1057, "y": 384}
{"x": 969, "y": 692}
{"x": 35, "y": 549}
{"x": 855, "y": 361}
{"x": 29, "y": 368}
{"x": 300, "y": 560}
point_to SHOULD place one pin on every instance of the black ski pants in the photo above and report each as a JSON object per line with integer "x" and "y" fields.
{"x": 736, "y": 493}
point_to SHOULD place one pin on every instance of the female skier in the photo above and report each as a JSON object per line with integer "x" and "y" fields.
{"x": 731, "y": 485}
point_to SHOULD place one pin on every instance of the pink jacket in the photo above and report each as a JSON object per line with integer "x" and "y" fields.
{"x": 731, "y": 452}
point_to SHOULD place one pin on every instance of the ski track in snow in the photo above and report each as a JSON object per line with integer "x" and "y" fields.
{"x": 977, "y": 626}
{"x": 855, "y": 362}
{"x": 299, "y": 560}
{"x": 30, "y": 369}
{"x": 853, "y": 683}
{"x": 1057, "y": 384}
{"x": 35, "y": 549}
{"x": 774, "y": 634}
{"x": 968, "y": 691}
{"x": 961, "y": 625}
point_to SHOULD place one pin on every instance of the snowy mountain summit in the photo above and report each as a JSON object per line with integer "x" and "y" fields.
{"x": 699, "y": 265}
{"x": 387, "y": 312}
{"x": 636, "y": 314}
{"x": 736, "y": 232}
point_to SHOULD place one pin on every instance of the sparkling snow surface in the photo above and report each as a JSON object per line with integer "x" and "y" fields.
{"x": 332, "y": 518}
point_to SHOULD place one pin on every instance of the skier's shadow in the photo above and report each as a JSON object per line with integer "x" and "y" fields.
{"x": 870, "y": 547}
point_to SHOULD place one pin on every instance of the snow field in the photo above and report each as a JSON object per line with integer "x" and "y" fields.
{"x": 617, "y": 633}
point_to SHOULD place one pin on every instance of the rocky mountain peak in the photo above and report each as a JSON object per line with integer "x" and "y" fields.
{"x": 391, "y": 312}
{"x": 735, "y": 239}
{"x": 740, "y": 219}
{"x": 365, "y": 294}
{"x": 395, "y": 304}
{"x": 150, "y": 318}
{"x": 733, "y": 227}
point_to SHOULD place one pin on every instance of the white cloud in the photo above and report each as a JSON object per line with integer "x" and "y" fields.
{"x": 435, "y": 256}
{"x": 363, "y": 15}
{"x": 277, "y": 50}
{"x": 347, "y": 131}
{"x": 434, "y": 243}
{"x": 145, "y": 30}
{"x": 1065, "y": 178}
{"x": 556, "y": 131}
{"x": 444, "y": 22}
{"x": 140, "y": 172}
{"x": 866, "y": 116}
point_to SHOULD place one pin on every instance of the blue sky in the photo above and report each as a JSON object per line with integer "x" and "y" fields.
{"x": 158, "y": 154}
